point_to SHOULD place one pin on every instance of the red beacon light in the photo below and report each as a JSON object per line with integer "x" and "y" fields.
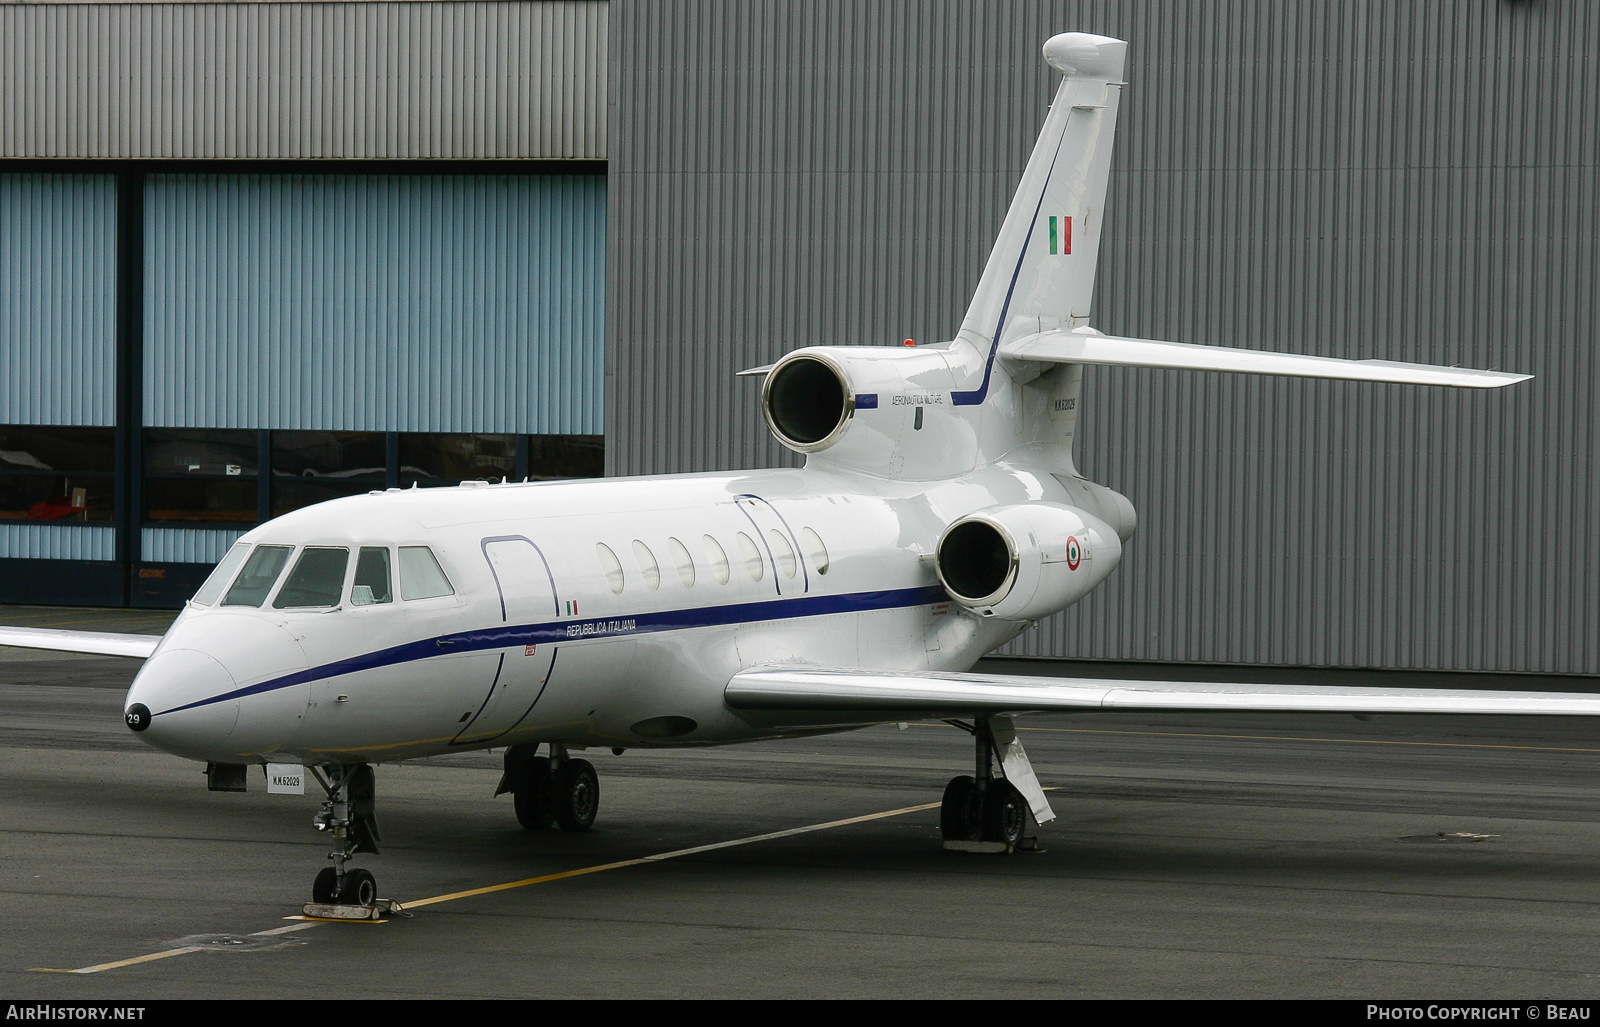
{"x": 911, "y": 342}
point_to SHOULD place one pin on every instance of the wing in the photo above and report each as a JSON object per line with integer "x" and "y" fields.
{"x": 102, "y": 643}
{"x": 813, "y": 695}
{"x": 1087, "y": 346}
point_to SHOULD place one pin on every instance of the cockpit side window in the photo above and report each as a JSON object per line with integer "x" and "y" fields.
{"x": 256, "y": 580}
{"x": 421, "y": 577}
{"x": 317, "y": 579}
{"x": 372, "y": 577}
{"x": 219, "y": 578}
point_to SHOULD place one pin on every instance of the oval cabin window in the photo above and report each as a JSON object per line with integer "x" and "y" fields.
{"x": 684, "y": 562}
{"x": 716, "y": 559}
{"x": 647, "y": 565}
{"x": 752, "y": 557}
{"x": 611, "y": 566}
{"x": 815, "y": 550}
{"x": 783, "y": 553}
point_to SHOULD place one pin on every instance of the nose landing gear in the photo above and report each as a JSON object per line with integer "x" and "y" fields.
{"x": 349, "y": 813}
{"x": 558, "y": 788}
{"x": 986, "y": 812}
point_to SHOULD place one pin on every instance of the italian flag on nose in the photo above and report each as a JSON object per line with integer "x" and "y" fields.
{"x": 1060, "y": 234}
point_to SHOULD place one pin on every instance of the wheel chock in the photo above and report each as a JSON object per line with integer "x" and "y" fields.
{"x": 374, "y": 913}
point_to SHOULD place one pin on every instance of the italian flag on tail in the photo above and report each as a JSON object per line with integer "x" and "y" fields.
{"x": 1060, "y": 234}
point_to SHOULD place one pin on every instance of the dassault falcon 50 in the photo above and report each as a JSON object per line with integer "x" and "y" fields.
{"x": 939, "y": 513}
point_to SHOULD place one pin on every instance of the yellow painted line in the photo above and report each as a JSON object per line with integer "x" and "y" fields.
{"x": 676, "y": 853}
{"x": 305, "y": 924}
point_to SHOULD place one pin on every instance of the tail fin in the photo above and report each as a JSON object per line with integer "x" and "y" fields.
{"x": 1040, "y": 274}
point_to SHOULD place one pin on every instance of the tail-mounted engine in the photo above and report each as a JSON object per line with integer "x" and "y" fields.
{"x": 1025, "y": 561}
{"x": 886, "y": 411}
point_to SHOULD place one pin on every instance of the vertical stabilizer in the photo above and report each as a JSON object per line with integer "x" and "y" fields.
{"x": 1040, "y": 274}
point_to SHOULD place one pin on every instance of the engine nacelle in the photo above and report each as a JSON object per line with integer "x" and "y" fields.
{"x": 1025, "y": 561}
{"x": 883, "y": 410}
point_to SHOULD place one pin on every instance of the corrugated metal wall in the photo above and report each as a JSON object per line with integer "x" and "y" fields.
{"x": 57, "y": 542}
{"x": 57, "y": 299}
{"x": 497, "y": 79}
{"x": 375, "y": 302}
{"x": 185, "y": 545}
{"x": 1411, "y": 181}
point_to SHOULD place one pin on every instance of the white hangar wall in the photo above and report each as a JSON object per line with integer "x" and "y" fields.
{"x": 1411, "y": 181}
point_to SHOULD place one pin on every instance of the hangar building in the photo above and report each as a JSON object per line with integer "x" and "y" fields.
{"x": 255, "y": 255}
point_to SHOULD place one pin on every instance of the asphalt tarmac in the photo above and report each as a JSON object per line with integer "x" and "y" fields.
{"x": 1193, "y": 856}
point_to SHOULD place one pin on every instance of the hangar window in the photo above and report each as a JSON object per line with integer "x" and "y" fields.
{"x": 815, "y": 549}
{"x": 716, "y": 558}
{"x": 647, "y": 565}
{"x": 421, "y": 577}
{"x": 752, "y": 557}
{"x": 371, "y": 584}
{"x": 200, "y": 476}
{"x": 258, "y": 576}
{"x": 685, "y": 562}
{"x": 315, "y": 466}
{"x": 611, "y": 566}
{"x": 447, "y": 459}
{"x": 50, "y": 473}
{"x": 221, "y": 575}
{"x": 317, "y": 579}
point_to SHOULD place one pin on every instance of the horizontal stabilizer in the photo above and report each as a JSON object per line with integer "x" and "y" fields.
{"x": 100, "y": 643}
{"x": 1087, "y": 346}
{"x": 859, "y": 693}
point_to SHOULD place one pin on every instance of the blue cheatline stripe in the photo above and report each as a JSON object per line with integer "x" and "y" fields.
{"x": 605, "y": 627}
{"x": 867, "y": 401}
{"x": 978, "y": 395}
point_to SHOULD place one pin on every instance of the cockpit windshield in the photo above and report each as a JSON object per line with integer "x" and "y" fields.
{"x": 258, "y": 576}
{"x": 317, "y": 579}
{"x": 212, "y": 589}
{"x": 371, "y": 585}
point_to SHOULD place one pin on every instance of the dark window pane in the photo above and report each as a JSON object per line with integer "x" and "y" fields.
{"x": 201, "y": 500}
{"x": 566, "y": 456}
{"x": 50, "y": 448}
{"x": 200, "y": 451}
{"x": 46, "y": 497}
{"x": 372, "y": 578}
{"x": 456, "y": 457}
{"x": 317, "y": 579}
{"x": 328, "y": 454}
{"x": 255, "y": 581}
{"x": 293, "y": 493}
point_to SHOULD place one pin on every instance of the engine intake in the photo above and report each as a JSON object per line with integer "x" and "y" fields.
{"x": 1025, "y": 561}
{"x": 807, "y": 402}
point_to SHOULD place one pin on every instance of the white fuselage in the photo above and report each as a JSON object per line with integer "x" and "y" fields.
{"x": 537, "y": 642}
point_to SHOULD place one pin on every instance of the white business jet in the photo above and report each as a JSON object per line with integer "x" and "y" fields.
{"x": 938, "y": 515}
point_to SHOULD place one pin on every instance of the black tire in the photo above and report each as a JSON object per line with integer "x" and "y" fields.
{"x": 325, "y": 890}
{"x": 575, "y": 795}
{"x": 1005, "y": 813}
{"x": 359, "y": 888}
{"x": 535, "y": 811}
{"x": 960, "y": 814}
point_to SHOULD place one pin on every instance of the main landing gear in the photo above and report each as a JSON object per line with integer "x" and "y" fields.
{"x": 989, "y": 811}
{"x": 558, "y": 788}
{"x": 349, "y": 813}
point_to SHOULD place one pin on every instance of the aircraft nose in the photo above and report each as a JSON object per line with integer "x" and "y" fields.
{"x": 182, "y": 701}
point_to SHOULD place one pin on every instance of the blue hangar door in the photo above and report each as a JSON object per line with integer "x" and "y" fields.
{"x": 285, "y": 304}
